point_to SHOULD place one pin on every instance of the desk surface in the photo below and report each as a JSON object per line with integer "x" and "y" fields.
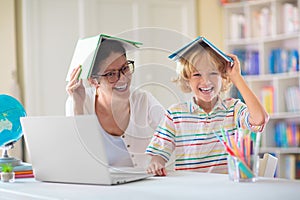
{"x": 177, "y": 185}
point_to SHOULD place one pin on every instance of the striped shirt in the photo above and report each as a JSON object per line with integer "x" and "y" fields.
{"x": 189, "y": 132}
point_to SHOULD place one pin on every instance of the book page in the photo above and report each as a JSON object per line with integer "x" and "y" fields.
{"x": 83, "y": 55}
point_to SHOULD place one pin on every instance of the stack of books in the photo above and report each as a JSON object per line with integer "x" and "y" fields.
{"x": 23, "y": 171}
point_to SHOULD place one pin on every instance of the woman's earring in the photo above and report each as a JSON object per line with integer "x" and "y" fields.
{"x": 95, "y": 82}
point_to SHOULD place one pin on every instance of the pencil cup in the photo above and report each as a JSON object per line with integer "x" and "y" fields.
{"x": 239, "y": 171}
{"x": 243, "y": 164}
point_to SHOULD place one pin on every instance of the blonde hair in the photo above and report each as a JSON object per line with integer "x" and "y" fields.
{"x": 185, "y": 67}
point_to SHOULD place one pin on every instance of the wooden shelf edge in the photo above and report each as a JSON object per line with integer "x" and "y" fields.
{"x": 280, "y": 150}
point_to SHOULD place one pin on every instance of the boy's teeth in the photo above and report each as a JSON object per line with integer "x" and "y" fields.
{"x": 205, "y": 89}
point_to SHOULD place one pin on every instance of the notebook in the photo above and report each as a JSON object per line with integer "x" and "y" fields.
{"x": 71, "y": 150}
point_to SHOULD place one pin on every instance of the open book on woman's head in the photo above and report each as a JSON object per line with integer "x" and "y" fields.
{"x": 87, "y": 49}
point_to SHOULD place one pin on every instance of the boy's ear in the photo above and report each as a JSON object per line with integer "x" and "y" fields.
{"x": 186, "y": 86}
{"x": 226, "y": 84}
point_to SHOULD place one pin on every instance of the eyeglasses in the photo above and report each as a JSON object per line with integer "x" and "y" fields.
{"x": 114, "y": 75}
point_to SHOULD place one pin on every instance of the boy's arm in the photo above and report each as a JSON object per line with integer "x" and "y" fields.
{"x": 258, "y": 115}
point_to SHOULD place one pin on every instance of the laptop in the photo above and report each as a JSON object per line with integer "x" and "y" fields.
{"x": 70, "y": 149}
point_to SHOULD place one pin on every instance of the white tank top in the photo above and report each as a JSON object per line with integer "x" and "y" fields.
{"x": 116, "y": 151}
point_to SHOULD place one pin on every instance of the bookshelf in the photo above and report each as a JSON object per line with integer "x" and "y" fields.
{"x": 265, "y": 35}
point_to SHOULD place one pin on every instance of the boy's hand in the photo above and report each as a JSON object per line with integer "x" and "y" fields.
{"x": 235, "y": 70}
{"x": 157, "y": 166}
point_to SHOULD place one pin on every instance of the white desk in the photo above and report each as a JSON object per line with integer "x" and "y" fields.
{"x": 177, "y": 185}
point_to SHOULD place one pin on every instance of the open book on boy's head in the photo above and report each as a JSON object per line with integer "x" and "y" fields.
{"x": 87, "y": 49}
{"x": 200, "y": 42}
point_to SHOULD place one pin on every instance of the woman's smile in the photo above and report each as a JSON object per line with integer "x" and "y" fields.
{"x": 121, "y": 88}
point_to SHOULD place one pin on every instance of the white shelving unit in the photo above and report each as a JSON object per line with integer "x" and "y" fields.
{"x": 260, "y": 25}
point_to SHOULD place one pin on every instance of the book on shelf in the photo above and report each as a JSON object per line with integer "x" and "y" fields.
{"x": 292, "y": 98}
{"x": 287, "y": 134}
{"x": 282, "y": 60}
{"x": 249, "y": 61}
{"x": 293, "y": 60}
{"x": 202, "y": 42}
{"x": 255, "y": 27}
{"x": 266, "y": 21}
{"x": 280, "y": 134}
{"x": 253, "y": 62}
{"x": 290, "y": 17}
{"x": 290, "y": 166}
{"x": 267, "y": 98}
{"x": 298, "y": 167}
{"x": 237, "y": 26}
{"x": 261, "y": 23}
{"x": 86, "y": 51}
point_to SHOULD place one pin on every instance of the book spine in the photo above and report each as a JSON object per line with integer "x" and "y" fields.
{"x": 265, "y": 21}
{"x": 24, "y": 172}
{"x": 290, "y": 166}
{"x": 267, "y": 98}
{"x": 298, "y": 167}
{"x": 24, "y": 176}
{"x": 238, "y": 26}
{"x": 249, "y": 61}
{"x": 290, "y": 18}
{"x": 292, "y": 98}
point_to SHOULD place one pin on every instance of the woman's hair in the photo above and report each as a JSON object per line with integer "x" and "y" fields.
{"x": 186, "y": 67}
{"x": 105, "y": 49}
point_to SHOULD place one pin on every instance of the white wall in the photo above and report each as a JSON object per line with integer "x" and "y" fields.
{"x": 52, "y": 27}
{"x": 8, "y": 61}
{"x": 8, "y": 58}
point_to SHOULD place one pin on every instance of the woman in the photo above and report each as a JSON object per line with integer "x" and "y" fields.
{"x": 127, "y": 118}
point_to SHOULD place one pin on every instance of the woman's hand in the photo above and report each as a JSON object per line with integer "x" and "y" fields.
{"x": 157, "y": 166}
{"x": 76, "y": 89}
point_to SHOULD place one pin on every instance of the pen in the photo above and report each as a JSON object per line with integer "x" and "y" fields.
{"x": 80, "y": 68}
{"x": 241, "y": 164}
{"x": 244, "y": 168}
{"x": 228, "y": 138}
{"x": 223, "y": 135}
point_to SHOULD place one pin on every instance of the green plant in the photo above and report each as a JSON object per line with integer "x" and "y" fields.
{"x": 7, "y": 167}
